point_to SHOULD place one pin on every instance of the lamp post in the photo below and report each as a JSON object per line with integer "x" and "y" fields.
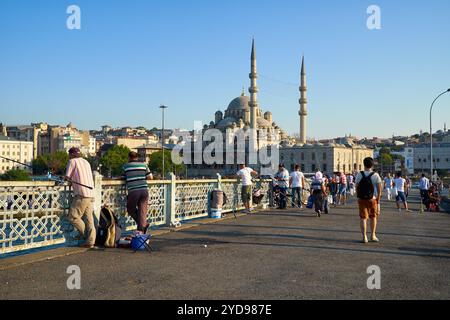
{"x": 431, "y": 132}
{"x": 162, "y": 141}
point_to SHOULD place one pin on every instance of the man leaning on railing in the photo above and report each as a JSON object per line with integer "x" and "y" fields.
{"x": 79, "y": 172}
{"x": 136, "y": 174}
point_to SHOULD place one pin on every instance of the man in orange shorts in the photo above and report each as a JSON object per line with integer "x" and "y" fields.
{"x": 369, "y": 188}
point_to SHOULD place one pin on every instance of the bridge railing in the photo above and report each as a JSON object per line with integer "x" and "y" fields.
{"x": 35, "y": 214}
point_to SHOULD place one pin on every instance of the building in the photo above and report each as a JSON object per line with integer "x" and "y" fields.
{"x": 58, "y": 138}
{"x": 328, "y": 158}
{"x": 21, "y": 151}
{"x": 408, "y": 155}
{"x": 28, "y": 133}
{"x": 243, "y": 113}
{"x": 441, "y": 156}
{"x": 145, "y": 152}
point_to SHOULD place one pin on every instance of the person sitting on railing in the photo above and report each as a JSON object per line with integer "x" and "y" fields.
{"x": 136, "y": 174}
{"x": 245, "y": 174}
{"x": 80, "y": 173}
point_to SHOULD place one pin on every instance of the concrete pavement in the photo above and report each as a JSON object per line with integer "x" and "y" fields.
{"x": 270, "y": 255}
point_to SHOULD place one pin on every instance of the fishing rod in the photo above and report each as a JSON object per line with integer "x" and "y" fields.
{"x": 50, "y": 175}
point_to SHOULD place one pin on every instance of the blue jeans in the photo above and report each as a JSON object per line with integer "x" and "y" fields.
{"x": 297, "y": 194}
{"x": 283, "y": 203}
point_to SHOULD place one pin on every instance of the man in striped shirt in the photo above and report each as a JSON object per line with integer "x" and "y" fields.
{"x": 136, "y": 175}
{"x": 79, "y": 171}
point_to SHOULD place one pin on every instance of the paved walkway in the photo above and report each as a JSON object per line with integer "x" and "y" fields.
{"x": 269, "y": 255}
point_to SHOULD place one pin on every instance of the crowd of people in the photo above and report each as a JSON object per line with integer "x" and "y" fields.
{"x": 325, "y": 191}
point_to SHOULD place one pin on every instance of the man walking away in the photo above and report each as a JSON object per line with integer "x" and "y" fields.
{"x": 400, "y": 185}
{"x": 297, "y": 183}
{"x": 388, "y": 184}
{"x": 369, "y": 188}
{"x": 245, "y": 174}
{"x": 282, "y": 178}
{"x": 82, "y": 207}
{"x": 424, "y": 186}
{"x": 318, "y": 192}
{"x": 136, "y": 175}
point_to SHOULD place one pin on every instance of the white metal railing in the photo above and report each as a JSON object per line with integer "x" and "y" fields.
{"x": 35, "y": 214}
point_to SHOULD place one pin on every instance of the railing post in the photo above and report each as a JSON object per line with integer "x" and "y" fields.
{"x": 170, "y": 200}
{"x": 98, "y": 185}
{"x": 219, "y": 181}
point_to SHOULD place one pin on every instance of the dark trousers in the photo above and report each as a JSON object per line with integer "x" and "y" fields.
{"x": 137, "y": 207}
{"x": 297, "y": 194}
{"x": 283, "y": 202}
{"x": 318, "y": 200}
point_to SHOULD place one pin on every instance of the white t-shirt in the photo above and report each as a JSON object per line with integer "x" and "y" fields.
{"x": 376, "y": 179}
{"x": 424, "y": 184}
{"x": 246, "y": 176}
{"x": 297, "y": 179}
{"x": 400, "y": 184}
{"x": 388, "y": 182}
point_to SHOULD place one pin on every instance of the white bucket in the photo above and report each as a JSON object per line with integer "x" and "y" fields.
{"x": 216, "y": 214}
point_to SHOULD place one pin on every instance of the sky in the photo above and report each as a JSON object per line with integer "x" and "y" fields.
{"x": 129, "y": 57}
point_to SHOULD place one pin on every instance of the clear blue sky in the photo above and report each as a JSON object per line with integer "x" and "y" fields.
{"x": 193, "y": 55}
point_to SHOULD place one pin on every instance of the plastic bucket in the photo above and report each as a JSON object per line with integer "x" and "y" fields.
{"x": 216, "y": 214}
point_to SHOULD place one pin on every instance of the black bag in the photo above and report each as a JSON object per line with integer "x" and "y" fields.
{"x": 108, "y": 230}
{"x": 365, "y": 190}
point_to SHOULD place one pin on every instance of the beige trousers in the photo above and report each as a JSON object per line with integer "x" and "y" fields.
{"x": 80, "y": 208}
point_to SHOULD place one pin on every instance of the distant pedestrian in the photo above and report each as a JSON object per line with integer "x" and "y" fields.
{"x": 245, "y": 174}
{"x": 297, "y": 184}
{"x": 369, "y": 188}
{"x": 388, "y": 184}
{"x": 136, "y": 174}
{"x": 82, "y": 207}
{"x": 282, "y": 178}
{"x": 342, "y": 189}
{"x": 424, "y": 186}
{"x": 351, "y": 184}
{"x": 400, "y": 186}
{"x": 318, "y": 192}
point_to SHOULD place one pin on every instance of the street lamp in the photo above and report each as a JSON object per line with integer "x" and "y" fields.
{"x": 431, "y": 131}
{"x": 162, "y": 140}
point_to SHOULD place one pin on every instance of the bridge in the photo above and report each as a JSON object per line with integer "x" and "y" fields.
{"x": 272, "y": 254}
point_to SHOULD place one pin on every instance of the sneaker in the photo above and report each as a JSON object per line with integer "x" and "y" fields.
{"x": 374, "y": 239}
{"x": 318, "y": 213}
{"x": 365, "y": 240}
{"x": 408, "y": 210}
{"x": 399, "y": 210}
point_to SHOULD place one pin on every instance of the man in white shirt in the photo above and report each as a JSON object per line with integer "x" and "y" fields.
{"x": 369, "y": 188}
{"x": 424, "y": 186}
{"x": 388, "y": 186}
{"x": 400, "y": 185}
{"x": 297, "y": 183}
{"x": 245, "y": 174}
{"x": 282, "y": 178}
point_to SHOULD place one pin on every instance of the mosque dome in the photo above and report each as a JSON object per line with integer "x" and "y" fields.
{"x": 226, "y": 123}
{"x": 239, "y": 103}
{"x": 263, "y": 123}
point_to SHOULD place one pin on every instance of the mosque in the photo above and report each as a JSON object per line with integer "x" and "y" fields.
{"x": 244, "y": 113}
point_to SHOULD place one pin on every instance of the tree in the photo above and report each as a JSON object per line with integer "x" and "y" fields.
{"x": 54, "y": 162}
{"x": 16, "y": 175}
{"x": 155, "y": 163}
{"x": 113, "y": 161}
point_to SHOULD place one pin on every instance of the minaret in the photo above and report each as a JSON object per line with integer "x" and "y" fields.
{"x": 253, "y": 90}
{"x": 303, "y": 104}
